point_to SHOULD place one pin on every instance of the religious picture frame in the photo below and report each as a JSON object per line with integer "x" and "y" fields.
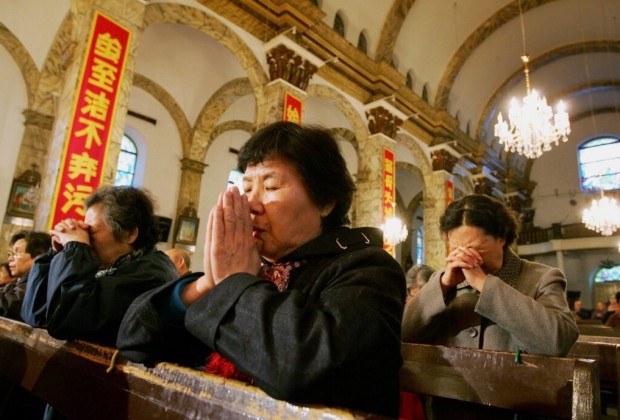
{"x": 22, "y": 201}
{"x": 187, "y": 230}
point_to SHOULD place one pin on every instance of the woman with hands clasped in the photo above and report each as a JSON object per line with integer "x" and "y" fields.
{"x": 291, "y": 300}
{"x": 81, "y": 288}
{"x": 486, "y": 296}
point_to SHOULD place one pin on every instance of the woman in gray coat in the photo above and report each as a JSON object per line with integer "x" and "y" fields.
{"x": 487, "y": 297}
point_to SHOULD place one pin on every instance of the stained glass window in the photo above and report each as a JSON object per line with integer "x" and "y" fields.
{"x": 419, "y": 246}
{"x": 126, "y": 165}
{"x": 599, "y": 164}
{"x": 607, "y": 274}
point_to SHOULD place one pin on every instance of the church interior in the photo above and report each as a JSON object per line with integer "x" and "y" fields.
{"x": 425, "y": 80}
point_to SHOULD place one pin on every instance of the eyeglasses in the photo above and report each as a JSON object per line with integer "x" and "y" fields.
{"x": 15, "y": 255}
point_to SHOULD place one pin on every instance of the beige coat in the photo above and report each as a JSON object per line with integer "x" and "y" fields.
{"x": 522, "y": 307}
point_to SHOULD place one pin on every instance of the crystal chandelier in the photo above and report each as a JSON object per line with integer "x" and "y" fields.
{"x": 532, "y": 128}
{"x": 603, "y": 216}
{"x": 394, "y": 231}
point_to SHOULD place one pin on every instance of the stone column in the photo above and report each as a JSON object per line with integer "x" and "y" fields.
{"x": 128, "y": 13}
{"x": 32, "y": 153}
{"x": 290, "y": 69}
{"x": 443, "y": 159}
{"x": 383, "y": 122}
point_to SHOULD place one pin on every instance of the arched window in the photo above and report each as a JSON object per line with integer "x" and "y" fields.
{"x": 609, "y": 273}
{"x": 425, "y": 93}
{"x": 126, "y": 165}
{"x": 362, "y": 45}
{"x": 409, "y": 80}
{"x": 339, "y": 25}
{"x": 315, "y": 2}
{"x": 419, "y": 246}
{"x": 599, "y": 164}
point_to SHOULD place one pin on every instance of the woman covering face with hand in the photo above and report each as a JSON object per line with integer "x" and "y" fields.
{"x": 81, "y": 288}
{"x": 293, "y": 301}
{"x": 486, "y": 296}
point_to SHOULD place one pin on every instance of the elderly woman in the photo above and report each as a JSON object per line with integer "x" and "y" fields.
{"x": 25, "y": 248}
{"x": 486, "y": 296}
{"x": 301, "y": 306}
{"x": 82, "y": 287}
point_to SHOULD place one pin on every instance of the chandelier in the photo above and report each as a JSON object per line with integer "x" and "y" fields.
{"x": 532, "y": 128}
{"x": 603, "y": 216}
{"x": 394, "y": 231}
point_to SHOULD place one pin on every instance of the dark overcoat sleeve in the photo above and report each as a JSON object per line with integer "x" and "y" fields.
{"x": 11, "y": 298}
{"x": 152, "y": 331}
{"x": 334, "y": 337}
{"x": 80, "y": 305}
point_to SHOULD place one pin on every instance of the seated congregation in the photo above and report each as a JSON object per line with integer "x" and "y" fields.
{"x": 315, "y": 313}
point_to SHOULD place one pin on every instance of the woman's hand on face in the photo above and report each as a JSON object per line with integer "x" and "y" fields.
{"x": 232, "y": 247}
{"x": 69, "y": 230}
{"x": 463, "y": 264}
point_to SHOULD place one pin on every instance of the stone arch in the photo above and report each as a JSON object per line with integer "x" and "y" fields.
{"x": 23, "y": 59}
{"x": 211, "y": 112}
{"x": 171, "y": 105}
{"x": 350, "y": 113}
{"x": 486, "y": 29}
{"x": 220, "y": 129}
{"x": 393, "y": 24}
{"x": 195, "y": 19}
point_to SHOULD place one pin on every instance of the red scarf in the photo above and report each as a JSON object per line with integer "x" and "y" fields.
{"x": 278, "y": 274}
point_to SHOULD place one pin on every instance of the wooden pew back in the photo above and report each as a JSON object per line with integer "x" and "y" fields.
{"x": 72, "y": 377}
{"x": 541, "y": 385}
{"x": 606, "y": 351}
{"x": 76, "y": 378}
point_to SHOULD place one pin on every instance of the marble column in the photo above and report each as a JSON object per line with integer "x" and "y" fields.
{"x": 437, "y": 198}
{"x": 290, "y": 69}
{"x": 129, "y": 14}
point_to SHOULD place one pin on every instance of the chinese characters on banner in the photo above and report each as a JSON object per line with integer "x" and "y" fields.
{"x": 85, "y": 149}
{"x": 449, "y": 192}
{"x": 292, "y": 109}
{"x": 389, "y": 190}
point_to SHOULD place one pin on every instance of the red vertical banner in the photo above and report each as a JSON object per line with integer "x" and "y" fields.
{"x": 292, "y": 108}
{"x": 86, "y": 146}
{"x": 389, "y": 190}
{"x": 449, "y": 192}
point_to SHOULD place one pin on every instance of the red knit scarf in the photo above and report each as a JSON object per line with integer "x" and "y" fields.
{"x": 280, "y": 275}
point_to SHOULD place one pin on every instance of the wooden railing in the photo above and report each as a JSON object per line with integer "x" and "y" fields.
{"x": 557, "y": 231}
{"x": 82, "y": 380}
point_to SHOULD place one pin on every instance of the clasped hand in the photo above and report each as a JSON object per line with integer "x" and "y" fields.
{"x": 463, "y": 264}
{"x": 69, "y": 230}
{"x": 229, "y": 245}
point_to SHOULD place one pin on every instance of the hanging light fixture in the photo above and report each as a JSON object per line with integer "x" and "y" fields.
{"x": 603, "y": 216}
{"x": 394, "y": 231}
{"x": 532, "y": 128}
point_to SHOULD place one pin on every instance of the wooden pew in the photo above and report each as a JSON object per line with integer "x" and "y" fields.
{"x": 599, "y": 330}
{"x": 606, "y": 351}
{"x": 75, "y": 377}
{"x": 540, "y": 385}
{"x": 72, "y": 377}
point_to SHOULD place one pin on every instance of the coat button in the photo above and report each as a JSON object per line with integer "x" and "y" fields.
{"x": 473, "y": 332}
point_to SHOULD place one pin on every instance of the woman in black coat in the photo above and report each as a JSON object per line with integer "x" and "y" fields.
{"x": 291, "y": 300}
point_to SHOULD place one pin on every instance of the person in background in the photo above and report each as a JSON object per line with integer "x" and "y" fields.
{"x": 599, "y": 311}
{"x": 612, "y": 317}
{"x": 25, "y": 248}
{"x": 81, "y": 288}
{"x": 579, "y": 311}
{"x": 181, "y": 260}
{"x": 295, "y": 302}
{"x": 417, "y": 276}
{"x": 487, "y": 297}
{"x": 5, "y": 274}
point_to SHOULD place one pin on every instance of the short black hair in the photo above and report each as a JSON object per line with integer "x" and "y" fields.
{"x": 317, "y": 158}
{"x": 37, "y": 243}
{"x": 125, "y": 209}
{"x": 483, "y": 211}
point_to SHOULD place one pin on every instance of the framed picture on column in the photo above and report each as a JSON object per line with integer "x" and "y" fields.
{"x": 187, "y": 230}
